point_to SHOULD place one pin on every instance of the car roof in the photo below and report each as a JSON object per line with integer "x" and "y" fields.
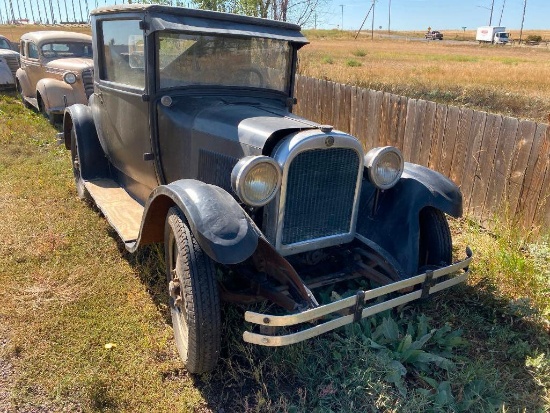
{"x": 206, "y": 21}
{"x": 50, "y": 35}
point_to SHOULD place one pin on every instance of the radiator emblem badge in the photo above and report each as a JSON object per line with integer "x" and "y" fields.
{"x": 329, "y": 141}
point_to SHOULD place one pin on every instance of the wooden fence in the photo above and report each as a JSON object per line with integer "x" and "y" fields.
{"x": 501, "y": 164}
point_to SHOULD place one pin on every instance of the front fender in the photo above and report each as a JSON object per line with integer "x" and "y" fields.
{"x": 389, "y": 220}
{"x": 6, "y": 76}
{"x": 221, "y": 227}
{"x": 24, "y": 84}
{"x": 53, "y": 92}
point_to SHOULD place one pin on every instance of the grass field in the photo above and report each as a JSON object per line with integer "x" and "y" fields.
{"x": 511, "y": 80}
{"x": 84, "y": 326}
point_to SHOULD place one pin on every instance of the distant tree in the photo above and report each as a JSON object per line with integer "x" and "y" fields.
{"x": 295, "y": 11}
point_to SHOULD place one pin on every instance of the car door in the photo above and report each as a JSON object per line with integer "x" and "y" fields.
{"x": 30, "y": 63}
{"x": 121, "y": 114}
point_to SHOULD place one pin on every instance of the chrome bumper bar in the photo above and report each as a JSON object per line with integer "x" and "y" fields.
{"x": 357, "y": 303}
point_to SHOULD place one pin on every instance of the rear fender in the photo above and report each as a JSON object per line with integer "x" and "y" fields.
{"x": 222, "y": 228}
{"x": 93, "y": 163}
{"x": 389, "y": 220}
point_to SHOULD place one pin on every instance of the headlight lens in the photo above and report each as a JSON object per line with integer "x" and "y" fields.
{"x": 385, "y": 166}
{"x": 69, "y": 78}
{"x": 256, "y": 180}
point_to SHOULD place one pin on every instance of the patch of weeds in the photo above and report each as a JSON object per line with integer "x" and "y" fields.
{"x": 353, "y": 63}
{"x": 359, "y": 53}
{"x": 328, "y": 60}
{"x": 412, "y": 345}
{"x": 99, "y": 395}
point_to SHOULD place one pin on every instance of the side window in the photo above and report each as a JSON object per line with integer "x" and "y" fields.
{"x": 32, "y": 51}
{"x": 122, "y": 54}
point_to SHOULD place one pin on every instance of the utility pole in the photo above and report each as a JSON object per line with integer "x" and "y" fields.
{"x": 522, "y": 20}
{"x": 491, "y": 16}
{"x": 389, "y": 16}
{"x": 501, "y": 12}
{"x": 342, "y": 26}
{"x": 372, "y": 26}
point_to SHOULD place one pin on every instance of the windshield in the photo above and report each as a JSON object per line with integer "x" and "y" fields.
{"x": 67, "y": 49}
{"x": 186, "y": 59}
{"x": 4, "y": 44}
{"x": 503, "y": 35}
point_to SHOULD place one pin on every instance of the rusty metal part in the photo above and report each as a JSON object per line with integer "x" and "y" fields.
{"x": 375, "y": 260}
{"x": 267, "y": 259}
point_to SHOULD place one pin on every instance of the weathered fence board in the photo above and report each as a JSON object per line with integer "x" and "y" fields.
{"x": 456, "y": 172}
{"x": 437, "y": 137}
{"x": 497, "y": 192}
{"x": 520, "y": 158}
{"x": 425, "y": 143}
{"x": 449, "y": 140}
{"x": 500, "y": 163}
{"x": 473, "y": 153}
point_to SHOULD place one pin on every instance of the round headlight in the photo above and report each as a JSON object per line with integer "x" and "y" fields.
{"x": 69, "y": 78}
{"x": 256, "y": 180}
{"x": 384, "y": 166}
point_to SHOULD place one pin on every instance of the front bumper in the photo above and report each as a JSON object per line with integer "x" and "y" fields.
{"x": 356, "y": 304}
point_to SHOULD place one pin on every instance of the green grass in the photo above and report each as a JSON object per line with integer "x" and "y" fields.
{"x": 68, "y": 288}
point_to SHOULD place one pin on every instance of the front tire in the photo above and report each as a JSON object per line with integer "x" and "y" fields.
{"x": 435, "y": 249}
{"x": 194, "y": 298}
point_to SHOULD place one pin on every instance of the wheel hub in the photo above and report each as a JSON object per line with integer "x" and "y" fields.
{"x": 174, "y": 289}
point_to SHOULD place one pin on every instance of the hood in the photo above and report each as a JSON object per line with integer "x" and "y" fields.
{"x": 74, "y": 64}
{"x": 246, "y": 123}
{"x": 7, "y": 52}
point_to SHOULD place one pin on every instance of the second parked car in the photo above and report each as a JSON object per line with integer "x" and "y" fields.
{"x": 56, "y": 71}
{"x": 9, "y": 62}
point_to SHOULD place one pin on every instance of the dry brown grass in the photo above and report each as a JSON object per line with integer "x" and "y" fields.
{"x": 511, "y": 80}
{"x": 14, "y": 32}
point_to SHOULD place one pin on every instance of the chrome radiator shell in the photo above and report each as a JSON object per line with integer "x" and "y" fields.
{"x": 318, "y": 202}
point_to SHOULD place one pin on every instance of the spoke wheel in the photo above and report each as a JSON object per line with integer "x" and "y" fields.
{"x": 194, "y": 297}
{"x": 435, "y": 239}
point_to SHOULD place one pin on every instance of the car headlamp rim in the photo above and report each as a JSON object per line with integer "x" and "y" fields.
{"x": 70, "y": 78}
{"x": 375, "y": 157}
{"x": 241, "y": 171}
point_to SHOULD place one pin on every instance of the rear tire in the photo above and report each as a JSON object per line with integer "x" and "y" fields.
{"x": 194, "y": 297}
{"x": 435, "y": 249}
{"x": 77, "y": 174}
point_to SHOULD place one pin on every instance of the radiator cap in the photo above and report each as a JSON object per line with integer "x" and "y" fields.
{"x": 326, "y": 128}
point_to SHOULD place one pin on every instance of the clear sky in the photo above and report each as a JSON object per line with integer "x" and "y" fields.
{"x": 437, "y": 14}
{"x": 405, "y": 14}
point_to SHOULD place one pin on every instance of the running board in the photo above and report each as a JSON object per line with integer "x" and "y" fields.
{"x": 122, "y": 211}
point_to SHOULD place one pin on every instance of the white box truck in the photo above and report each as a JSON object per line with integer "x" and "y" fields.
{"x": 492, "y": 34}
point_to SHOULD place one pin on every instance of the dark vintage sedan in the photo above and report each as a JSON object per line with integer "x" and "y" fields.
{"x": 189, "y": 140}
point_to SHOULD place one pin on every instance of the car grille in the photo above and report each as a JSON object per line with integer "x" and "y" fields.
{"x": 13, "y": 63}
{"x": 88, "y": 80}
{"x": 320, "y": 193}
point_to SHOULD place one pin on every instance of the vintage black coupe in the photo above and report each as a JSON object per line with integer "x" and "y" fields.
{"x": 189, "y": 140}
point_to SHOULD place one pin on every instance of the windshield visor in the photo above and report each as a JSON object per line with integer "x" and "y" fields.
{"x": 194, "y": 59}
